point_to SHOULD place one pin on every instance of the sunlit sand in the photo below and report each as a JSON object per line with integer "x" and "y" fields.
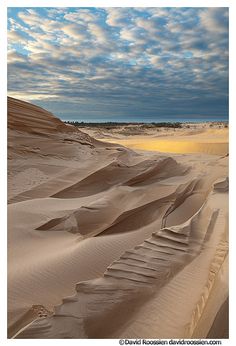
{"x": 106, "y": 242}
{"x": 210, "y": 142}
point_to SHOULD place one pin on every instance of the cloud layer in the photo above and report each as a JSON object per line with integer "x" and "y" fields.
{"x": 134, "y": 64}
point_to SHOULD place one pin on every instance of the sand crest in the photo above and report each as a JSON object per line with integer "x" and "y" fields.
{"x": 106, "y": 242}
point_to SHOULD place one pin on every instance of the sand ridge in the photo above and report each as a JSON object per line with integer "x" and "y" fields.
{"x": 109, "y": 242}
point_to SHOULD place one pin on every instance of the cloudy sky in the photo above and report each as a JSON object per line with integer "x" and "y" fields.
{"x": 121, "y": 64}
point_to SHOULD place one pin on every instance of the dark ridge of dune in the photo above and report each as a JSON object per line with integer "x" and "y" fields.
{"x": 220, "y": 326}
{"x": 117, "y": 172}
{"x": 163, "y": 207}
{"x": 108, "y": 219}
{"x": 162, "y": 169}
{"x": 131, "y": 279}
{"x": 222, "y": 186}
{"x": 27, "y": 117}
{"x": 34, "y": 120}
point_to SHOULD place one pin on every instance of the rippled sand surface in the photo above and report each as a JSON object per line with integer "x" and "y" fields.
{"x": 107, "y": 242}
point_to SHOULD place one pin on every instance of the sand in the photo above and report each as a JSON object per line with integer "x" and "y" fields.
{"x": 107, "y": 242}
{"x": 209, "y": 138}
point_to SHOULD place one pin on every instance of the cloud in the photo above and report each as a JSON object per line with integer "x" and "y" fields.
{"x": 30, "y": 17}
{"x": 14, "y": 57}
{"x": 14, "y": 37}
{"x": 117, "y": 16}
{"x": 99, "y": 34}
{"x": 215, "y": 20}
{"x": 82, "y": 15}
{"x": 134, "y": 35}
{"x": 121, "y": 62}
{"x": 75, "y": 31}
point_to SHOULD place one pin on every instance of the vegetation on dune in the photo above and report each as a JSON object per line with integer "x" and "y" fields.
{"x": 110, "y": 125}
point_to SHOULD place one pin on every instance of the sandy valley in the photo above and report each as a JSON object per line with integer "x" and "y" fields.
{"x": 118, "y": 233}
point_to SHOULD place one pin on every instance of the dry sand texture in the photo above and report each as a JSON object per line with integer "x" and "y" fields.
{"x": 105, "y": 242}
{"x": 209, "y": 138}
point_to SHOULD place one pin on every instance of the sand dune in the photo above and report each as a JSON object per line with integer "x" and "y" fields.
{"x": 105, "y": 242}
{"x": 133, "y": 279}
{"x": 184, "y": 140}
{"x": 29, "y": 118}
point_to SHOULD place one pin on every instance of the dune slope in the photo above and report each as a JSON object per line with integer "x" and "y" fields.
{"x": 104, "y": 242}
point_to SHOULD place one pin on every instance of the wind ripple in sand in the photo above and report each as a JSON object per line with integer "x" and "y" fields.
{"x": 153, "y": 263}
{"x": 133, "y": 278}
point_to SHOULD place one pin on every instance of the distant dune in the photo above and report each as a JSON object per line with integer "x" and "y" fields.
{"x": 106, "y": 242}
{"x": 209, "y": 138}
